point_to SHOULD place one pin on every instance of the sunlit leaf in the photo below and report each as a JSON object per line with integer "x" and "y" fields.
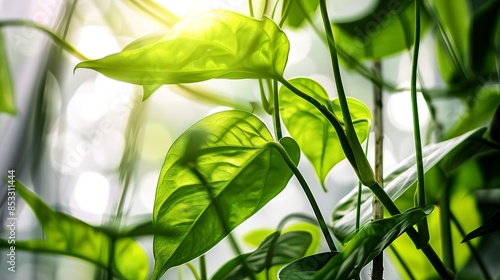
{"x": 385, "y": 30}
{"x": 400, "y": 180}
{"x": 297, "y": 9}
{"x": 305, "y": 268}
{"x": 213, "y": 44}
{"x": 371, "y": 239}
{"x": 484, "y": 37}
{"x": 455, "y": 21}
{"x": 312, "y": 131}
{"x": 491, "y": 225}
{"x": 66, "y": 235}
{"x": 230, "y": 155}
{"x": 276, "y": 249}
{"x": 7, "y": 104}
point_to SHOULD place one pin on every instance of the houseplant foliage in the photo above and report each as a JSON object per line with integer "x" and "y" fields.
{"x": 229, "y": 165}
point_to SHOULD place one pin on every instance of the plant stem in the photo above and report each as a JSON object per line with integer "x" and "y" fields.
{"x": 203, "y": 268}
{"x": 218, "y": 210}
{"x": 157, "y": 12}
{"x": 250, "y": 8}
{"x": 193, "y": 270}
{"x": 56, "y": 38}
{"x": 474, "y": 252}
{"x": 446, "y": 237}
{"x": 276, "y": 114}
{"x": 111, "y": 258}
{"x": 405, "y": 266}
{"x": 423, "y": 229}
{"x": 378, "y": 210}
{"x": 310, "y": 198}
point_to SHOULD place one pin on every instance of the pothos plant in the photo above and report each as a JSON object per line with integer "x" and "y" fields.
{"x": 229, "y": 165}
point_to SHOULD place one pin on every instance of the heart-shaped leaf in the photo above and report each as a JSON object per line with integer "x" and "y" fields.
{"x": 305, "y": 268}
{"x": 6, "y": 89}
{"x": 217, "y": 174}
{"x": 66, "y": 235}
{"x": 385, "y": 30}
{"x": 276, "y": 249}
{"x": 370, "y": 240}
{"x": 213, "y": 44}
{"x": 398, "y": 181}
{"x": 312, "y": 131}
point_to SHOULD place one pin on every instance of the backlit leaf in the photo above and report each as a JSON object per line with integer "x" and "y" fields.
{"x": 230, "y": 154}
{"x": 6, "y": 88}
{"x": 312, "y": 131}
{"x": 213, "y": 44}
{"x": 371, "y": 239}
{"x": 66, "y": 235}
{"x": 400, "y": 180}
{"x": 383, "y": 31}
{"x": 276, "y": 249}
{"x": 297, "y": 11}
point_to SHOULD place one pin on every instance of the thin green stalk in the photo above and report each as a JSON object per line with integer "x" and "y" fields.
{"x": 363, "y": 166}
{"x": 250, "y": 8}
{"x": 423, "y": 228}
{"x": 276, "y": 114}
{"x": 263, "y": 97}
{"x": 157, "y": 12}
{"x": 193, "y": 270}
{"x": 286, "y": 10}
{"x": 358, "y": 204}
{"x": 203, "y": 268}
{"x": 300, "y": 216}
{"x": 310, "y": 197}
{"x": 111, "y": 259}
{"x": 475, "y": 254}
{"x": 218, "y": 209}
{"x": 405, "y": 266}
{"x": 446, "y": 237}
{"x": 56, "y": 38}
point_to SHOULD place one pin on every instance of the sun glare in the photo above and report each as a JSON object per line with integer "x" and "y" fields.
{"x": 91, "y": 193}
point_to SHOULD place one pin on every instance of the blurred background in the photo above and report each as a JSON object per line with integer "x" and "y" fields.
{"x": 79, "y": 138}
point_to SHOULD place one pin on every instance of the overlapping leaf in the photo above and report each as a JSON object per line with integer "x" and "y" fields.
{"x": 298, "y": 11}
{"x": 312, "y": 131}
{"x": 217, "y": 174}
{"x": 305, "y": 268}
{"x": 371, "y": 239}
{"x": 66, "y": 235}
{"x": 6, "y": 89}
{"x": 386, "y": 30}
{"x": 484, "y": 37}
{"x": 401, "y": 179}
{"x": 276, "y": 249}
{"x": 213, "y": 44}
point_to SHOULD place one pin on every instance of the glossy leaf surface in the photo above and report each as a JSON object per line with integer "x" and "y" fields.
{"x": 305, "y": 268}
{"x": 66, "y": 235}
{"x": 384, "y": 31}
{"x": 276, "y": 249}
{"x": 371, "y": 239}
{"x": 396, "y": 183}
{"x": 312, "y": 131}
{"x": 238, "y": 164}
{"x": 6, "y": 89}
{"x": 213, "y": 44}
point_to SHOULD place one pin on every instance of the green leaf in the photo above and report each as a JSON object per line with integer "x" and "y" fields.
{"x": 305, "y": 268}
{"x": 312, "y": 131}
{"x": 213, "y": 44}
{"x": 383, "y": 31}
{"x": 483, "y": 109}
{"x": 455, "y": 20}
{"x": 371, "y": 239}
{"x": 400, "y": 180}
{"x": 7, "y": 104}
{"x": 66, "y": 235}
{"x": 297, "y": 11}
{"x": 237, "y": 161}
{"x": 276, "y": 249}
{"x": 485, "y": 31}
{"x": 491, "y": 225}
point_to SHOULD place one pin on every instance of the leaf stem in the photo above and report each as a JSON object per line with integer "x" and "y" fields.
{"x": 310, "y": 197}
{"x": 474, "y": 252}
{"x": 422, "y": 225}
{"x": 446, "y": 237}
{"x": 203, "y": 267}
{"x": 405, "y": 266}
{"x": 193, "y": 270}
{"x": 56, "y": 38}
{"x": 250, "y": 8}
{"x": 276, "y": 114}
